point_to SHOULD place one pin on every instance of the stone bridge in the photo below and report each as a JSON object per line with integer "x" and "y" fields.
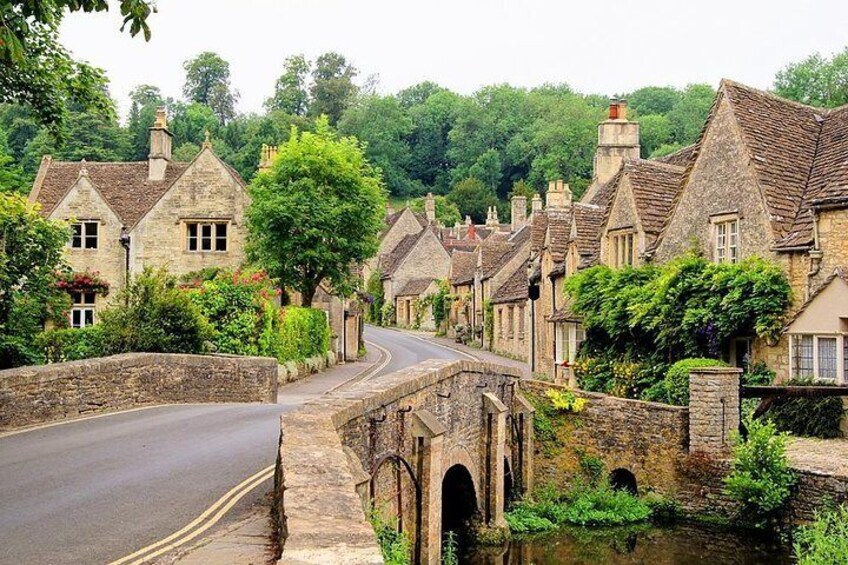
{"x": 430, "y": 448}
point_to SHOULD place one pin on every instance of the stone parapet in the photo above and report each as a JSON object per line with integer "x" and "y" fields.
{"x": 38, "y": 394}
{"x": 713, "y": 409}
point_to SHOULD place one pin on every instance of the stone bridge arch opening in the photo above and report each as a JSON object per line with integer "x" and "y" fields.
{"x": 623, "y": 479}
{"x": 509, "y": 483}
{"x": 459, "y": 501}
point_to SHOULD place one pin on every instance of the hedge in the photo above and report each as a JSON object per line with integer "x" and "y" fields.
{"x": 70, "y": 344}
{"x": 304, "y": 333}
{"x": 677, "y": 378}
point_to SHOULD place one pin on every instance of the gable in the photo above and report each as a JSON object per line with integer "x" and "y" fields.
{"x": 622, "y": 211}
{"x": 403, "y": 223}
{"x": 720, "y": 181}
{"x": 826, "y": 312}
{"x": 84, "y": 202}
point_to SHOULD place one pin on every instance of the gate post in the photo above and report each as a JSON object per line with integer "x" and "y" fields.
{"x": 429, "y": 433}
{"x": 713, "y": 409}
{"x": 494, "y": 414}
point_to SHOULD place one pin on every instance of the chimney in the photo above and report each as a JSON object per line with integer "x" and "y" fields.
{"x": 519, "y": 212}
{"x": 492, "y": 217}
{"x": 618, "y": 139}
{"x": 267, "y": 154}
{"x": 457, "y": 230}
{"x": 389, "y": 210}
{"x": 536, "y": 204}
{"x": 558, "y": 196}
{"x": 430, "y": 208}
{"x": 160, "y": 146}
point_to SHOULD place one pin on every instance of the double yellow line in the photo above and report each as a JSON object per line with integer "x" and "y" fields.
{"x": 209, "y": 518}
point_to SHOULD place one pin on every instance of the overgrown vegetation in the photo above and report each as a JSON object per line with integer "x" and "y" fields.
{"x": 489, "y": 322}
{"x": 439, "y": 303}
{"x": 547, "y": 421}
{"x": 677, "y": 378}
{"x": 760, "y": 477}
{"x": 376, "y": 298}
{"x": 808, "y": 417}
{"x": 825, "y": 540}
{"x": 394, "y": 545}
{"x": 640, "y": 321}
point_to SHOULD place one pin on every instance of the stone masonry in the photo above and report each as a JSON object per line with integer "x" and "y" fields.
{"x": 34, "y": 395}
{"x": 713, "y": 409}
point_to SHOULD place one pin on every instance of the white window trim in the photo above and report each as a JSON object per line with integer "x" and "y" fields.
{"x": 622, "y": 248}
{"x": 82, "y": 308}
{"x": 84, "y": 235}
{"x": 567, "y": 344}
{"x": 722, "y": 253}
{"x": 840, "y": 356}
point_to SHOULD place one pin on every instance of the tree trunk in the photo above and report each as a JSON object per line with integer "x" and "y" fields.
{"x": 308, "y": 294}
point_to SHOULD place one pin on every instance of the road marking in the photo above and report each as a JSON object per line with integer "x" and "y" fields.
{"x": 368, "y": 372}
{"x": 200, "y": 524}
{"x": 437, "y": 344}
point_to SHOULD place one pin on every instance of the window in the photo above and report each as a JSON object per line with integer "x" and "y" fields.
{"x": 727, "y": 241}
{"x": 818, "y": 357}
{"x": 82, "y": 312}
{"x": 621, "y": 250}
{"x": 569, "y": 337}
{"x": 210, "y": 236}
{"x": 500, "y": 322}
{"x": 510, "y": 324}
{"x": 521, "y": 322}
{"x": 84, "y": 235}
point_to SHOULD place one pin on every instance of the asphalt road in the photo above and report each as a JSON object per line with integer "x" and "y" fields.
{"x": 95, "y": 490}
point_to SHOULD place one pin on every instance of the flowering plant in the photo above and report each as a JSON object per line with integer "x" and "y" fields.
{"x": 89, "y": 281}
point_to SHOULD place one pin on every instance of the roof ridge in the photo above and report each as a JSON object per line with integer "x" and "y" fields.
{"x": 773, "y": 96}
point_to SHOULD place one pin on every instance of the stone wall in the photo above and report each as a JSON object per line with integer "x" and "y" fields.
{"x": 33, "y": 395}
{"x": 512, "y": 339}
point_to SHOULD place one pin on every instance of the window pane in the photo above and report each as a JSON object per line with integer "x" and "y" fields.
{"x": 76, "y": 235}
{"x": 802, "y": 356}
{"x": 827, "y": 358}
{"x": 206, "y": 230}
{"x": 220, "y": 237}
{"x": 88, "y": 298}
{"x": 76, "y": 318}
{"x": 76, "y": 297}
{"x": 89, "y": 317}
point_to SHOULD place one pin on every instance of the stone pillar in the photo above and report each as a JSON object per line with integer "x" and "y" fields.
{"x": 713, "y": 409}
{"x": 518, "y": 212}
{"x": 524, "y": 412}
{"x": 494, "y": 426}
{"x": 844, "y": 423}
{"x": 430, "y": 208}
{"x": 428, "y": 432}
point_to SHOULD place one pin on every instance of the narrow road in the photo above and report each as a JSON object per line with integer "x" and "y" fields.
{"x": 98, "y": 489}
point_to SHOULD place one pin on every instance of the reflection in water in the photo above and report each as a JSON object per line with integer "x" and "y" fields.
{"x": 666, "y": 545}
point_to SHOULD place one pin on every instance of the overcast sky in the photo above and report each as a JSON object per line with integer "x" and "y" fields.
{"x": 606, "y": 47}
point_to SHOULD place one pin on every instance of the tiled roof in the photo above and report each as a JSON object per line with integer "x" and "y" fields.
{"x": 124, "y": 186}
{"x": 539, "y": 226}
{"x": 655, "y": 187}
{"x": 463, "y": 266}
{"x": 559, "y": 230}
{"x": 514, "y": 289}
{"x": 392, "y": 219}
{"x": 415, "y": 287}
{"x": 565, "y": 313}
{"x": 389, "y": 262}
{"x": 501, "y": 248}
{"x": 588, "y": 220}
{"x": 781, "y": 137}
{"x": 680, "y": 158}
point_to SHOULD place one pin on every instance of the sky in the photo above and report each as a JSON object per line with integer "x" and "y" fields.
{"x": 607, "y": 47}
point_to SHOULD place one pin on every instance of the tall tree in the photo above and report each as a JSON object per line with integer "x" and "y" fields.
{"x": 653, "y": 100}
{"x": 817, "y": 81}
{"x": 12, "y": 177}
{"x": 689, "y": 114}
{"x": 473, "y": 198}
{"x": 290, "y": 92}
{"x": 332, "y": 87}
{"x": 208, "y": 83}
{"x": 144, "y": 99}
{"x": 37, "y": 70}
{"x": 316, "y": 213}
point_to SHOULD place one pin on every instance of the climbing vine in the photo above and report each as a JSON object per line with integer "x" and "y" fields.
{"x": 439, "y": 302}
{"x": 489, "y": 317}
{"x": 375, "y": 297}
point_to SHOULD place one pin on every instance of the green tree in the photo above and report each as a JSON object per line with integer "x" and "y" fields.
{"x": 94, "y": 137}
{"x": 12, "y": 177}
{"x": 208, "y": 82}
{"x": 653, "y": 100}
{"x": 332, "y": 87}
{"x": 654, "y": 131}
{"x": 290, "y": 93}
{"x": 30, "y": 255}
{"x": 817, "y": 81}
{"x": 190, "y": 122}
{"x": 473, "y": 198}
{"x": 418, "y": 94}
{"x": 37, "y": 70}
{"x": 447, "y": 213}
{"x": 688, "y": 116}
{"x": 432, "y": 122}
{"x": 144, "y": 100}
{"x": 383, "y": 126}
{"x": 317, "y": 212}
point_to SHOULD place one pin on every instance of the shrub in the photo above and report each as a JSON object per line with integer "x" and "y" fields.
{"x": 394, "y": 545}
{"x": 594, "y": 374}
{"x": 525, "y": 519}
{"x": 604, "y": 506}
{"x": 677, "y": 378}
{"x": 760, "y": 477}
{"x": 825, "y": 540}
{"x": 153, "y": 314}
{"x": 808, "y": 417}
{"x": 304, "y": 333}
{"x": 69, "y": 344}
{"x": 376, "y": 298}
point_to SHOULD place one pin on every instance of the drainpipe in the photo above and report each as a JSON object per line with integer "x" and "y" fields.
{"x": 344, "y": 333}
{"x": 125, "y": 243}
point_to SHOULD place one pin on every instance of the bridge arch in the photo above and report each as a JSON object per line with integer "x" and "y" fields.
{"x": 459, "y": 500}
{"x": 624, "y": 479}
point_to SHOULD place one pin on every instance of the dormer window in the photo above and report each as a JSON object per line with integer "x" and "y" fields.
{"x": 726, "y": 239}
{"x": 622, "y": 251}
{"x": 206, "y": 236}
{"x": 84, "y": 235}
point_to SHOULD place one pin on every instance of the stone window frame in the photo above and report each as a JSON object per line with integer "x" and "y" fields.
{"x": 797, "y": 346}
{"x": 214, "y": 236}
{"x": 521, "y": 323}
{"x": 89, "y": 233}
{"x": 500, "y": 315}
{"x": 510, "y": 321}
{"x": 621, "y": 247}
{"x": 82, "y": 309}
{"x": 725, "y": 236}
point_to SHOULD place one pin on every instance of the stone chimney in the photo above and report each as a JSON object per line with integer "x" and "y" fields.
{"x": 389, "y": 210}
{"x": 618, "y": 138}
{"x": 430, "y": 208}
{"x": 536, "y": 204}
{"x": 558, "y": 196}
{"x": 519, "y": 212}
{"x": 267, "y": 154}
{"x": 160, "y": 146}
{"x": 492, "y": 217}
